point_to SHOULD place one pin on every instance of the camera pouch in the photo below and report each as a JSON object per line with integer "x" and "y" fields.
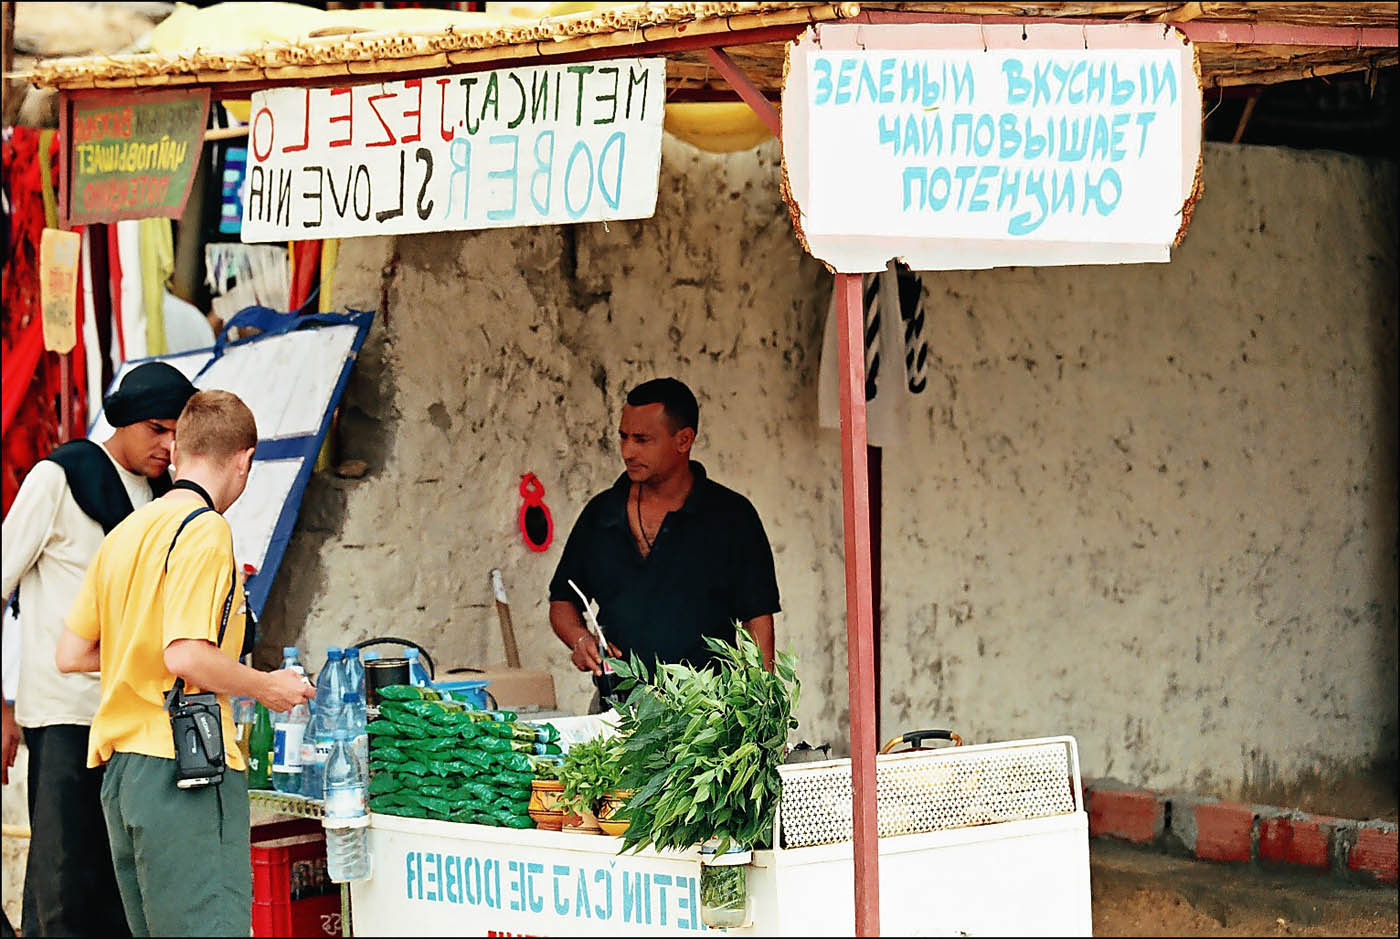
{"x": 197, "y": 727}
{"x": 196, "y": 723}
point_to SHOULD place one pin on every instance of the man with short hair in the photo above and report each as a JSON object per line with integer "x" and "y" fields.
{"x": 163, "y": 600}
{"x": 670, "y": 555}
{"x": 65, "y": 506}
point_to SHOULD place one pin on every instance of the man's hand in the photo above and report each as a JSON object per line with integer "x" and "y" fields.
{"x": 285, "y": 689}
{"x": 11, "y": 734}
{"x": 586, "y": 658}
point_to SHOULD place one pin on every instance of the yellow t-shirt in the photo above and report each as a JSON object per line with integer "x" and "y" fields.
{"x": 134, "y": 608}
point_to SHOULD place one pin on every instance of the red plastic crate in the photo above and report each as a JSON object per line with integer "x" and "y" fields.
{"x": 286, "y": 856}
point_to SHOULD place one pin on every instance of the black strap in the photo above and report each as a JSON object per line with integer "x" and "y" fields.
{"x": 195, "y": 488}
{"x": 178, "y": 688}
{"x": 94, "y": 482}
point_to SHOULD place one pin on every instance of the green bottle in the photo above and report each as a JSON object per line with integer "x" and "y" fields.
{"x": 260, "y": 750}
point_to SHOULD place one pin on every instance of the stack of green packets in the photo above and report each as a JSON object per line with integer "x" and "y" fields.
{"x": 431, "y": 757}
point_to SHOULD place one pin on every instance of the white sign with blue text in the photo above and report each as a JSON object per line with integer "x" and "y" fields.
{"x": 433, "y": 878}
{"x": 537, "y": 145}
{"x": 1049, "y": 149}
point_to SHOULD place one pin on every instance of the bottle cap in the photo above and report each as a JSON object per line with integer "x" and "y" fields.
{"x": 334, "y": 653}
{"x": 352, "y": 653}
{"x": 371, "y": 655}
{"x": 410, "y": 653}
{"x": 289, "y": 652}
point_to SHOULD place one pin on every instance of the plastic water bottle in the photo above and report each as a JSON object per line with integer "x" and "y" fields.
{"x": 288, "y": 730}
{"x": 346, "y": 818}
{"x": 320, "y": 733}
{"x": 417, "y": 674}
{"x": 354, "y": 672}
{"x": 352, "y": 720}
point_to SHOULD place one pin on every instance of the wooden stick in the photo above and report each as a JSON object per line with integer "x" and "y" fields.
{"x": 1244, "y": 117}
{"x": 226, "y": 133}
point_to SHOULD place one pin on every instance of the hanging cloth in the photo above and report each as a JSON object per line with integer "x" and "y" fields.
{"x": 887, "y": 391}
{"x": 92, "y": 347}
{"x": 96, "y": 241}
{"x": 115, "y": 293}
{"x": 157, "y": 264}
{"x": 133, "y": 298}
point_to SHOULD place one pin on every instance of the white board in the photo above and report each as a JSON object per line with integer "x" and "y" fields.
{"x": 533, "y": 145}
{"x": 963, "y": 146}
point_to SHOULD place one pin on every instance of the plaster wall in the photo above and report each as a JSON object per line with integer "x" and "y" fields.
{"x": 1153, "y": 506}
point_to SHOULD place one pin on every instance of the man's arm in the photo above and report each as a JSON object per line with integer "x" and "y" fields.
{"x": 77, "y": 654}
{"x": 761, "y": 628}
{"x": 199, "y": 662}
{"x": 567, "y": 623}
{"x": 10, "y": 745}
{"x": 22, "y": 538}
{"x": 28, "y": 524}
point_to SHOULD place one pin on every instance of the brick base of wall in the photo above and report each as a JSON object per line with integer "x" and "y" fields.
{"x": 1240, "y": 833}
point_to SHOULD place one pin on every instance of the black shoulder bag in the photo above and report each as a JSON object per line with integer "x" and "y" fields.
{"x": 195, "y": 720}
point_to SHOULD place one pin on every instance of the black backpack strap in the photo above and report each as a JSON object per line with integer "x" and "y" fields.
{"x": 178, "y": 688}
{"x": 93, "y": 480}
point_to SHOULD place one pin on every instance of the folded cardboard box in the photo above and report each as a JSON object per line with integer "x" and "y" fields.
{"x": 511, "y": 687}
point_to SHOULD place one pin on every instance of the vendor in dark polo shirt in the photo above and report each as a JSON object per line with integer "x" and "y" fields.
{"x": 670, "y": 555}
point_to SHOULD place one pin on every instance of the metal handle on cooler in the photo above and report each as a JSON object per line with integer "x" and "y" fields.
{"x": 915, "y": 739}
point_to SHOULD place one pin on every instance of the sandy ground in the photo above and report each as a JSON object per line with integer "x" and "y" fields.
{"x": 1144, "y": 893}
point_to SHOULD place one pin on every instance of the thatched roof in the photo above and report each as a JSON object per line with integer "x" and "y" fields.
{"x": 1239, "y": 43}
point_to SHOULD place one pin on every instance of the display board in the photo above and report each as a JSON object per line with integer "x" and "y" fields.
{"x": 132, "y": 155}
{"x": 964, "y": 146}
{"x": 533, "y": 145}
{"x": 291, "y": 380}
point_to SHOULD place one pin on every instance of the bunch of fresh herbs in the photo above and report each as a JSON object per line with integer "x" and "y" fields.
{"x": 703, "y": 747}
{"x": 591, "y": 769}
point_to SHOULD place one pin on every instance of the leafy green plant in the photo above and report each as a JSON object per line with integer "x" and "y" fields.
{"x": 591, "y": 769}
{"x": 546, "y": 770}
{"x": 703, "y": 747}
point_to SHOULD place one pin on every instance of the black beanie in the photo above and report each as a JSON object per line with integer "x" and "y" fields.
{"x": 152, "y": 391}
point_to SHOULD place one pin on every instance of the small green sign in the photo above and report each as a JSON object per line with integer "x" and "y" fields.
{"x": 133, "y": 155}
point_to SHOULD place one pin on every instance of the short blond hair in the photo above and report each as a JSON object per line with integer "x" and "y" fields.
{"x": 215, "y": 424}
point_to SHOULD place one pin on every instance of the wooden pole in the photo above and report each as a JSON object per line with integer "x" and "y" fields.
{"x": 746, "y": 90}
{"x": 855, "y": 487}
{"x": 1244, "y": 117}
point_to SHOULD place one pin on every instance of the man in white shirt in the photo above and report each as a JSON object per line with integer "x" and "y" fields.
{"x": 63, "y": 510}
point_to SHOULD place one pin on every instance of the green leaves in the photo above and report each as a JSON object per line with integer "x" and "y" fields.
{"x": 702, "y": 748}
{"x": 591, "y": 769}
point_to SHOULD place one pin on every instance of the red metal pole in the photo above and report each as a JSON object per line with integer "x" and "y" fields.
{"x": 747, "y": 90}
{"x": 855, "y": 486}
{"x": 65, "y": 429}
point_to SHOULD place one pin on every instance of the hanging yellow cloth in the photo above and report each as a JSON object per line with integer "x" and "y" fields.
{"x": 330, "y": 251}
{"x": 157, "y": 264}
{"x": 46, "y": 179}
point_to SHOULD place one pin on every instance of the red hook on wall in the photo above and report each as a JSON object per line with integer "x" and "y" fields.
{"x": 536, "y": 522}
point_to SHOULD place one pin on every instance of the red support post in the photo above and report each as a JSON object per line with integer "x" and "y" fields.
{"x": 855, "y": 479}
{"x": 747, "y": 90}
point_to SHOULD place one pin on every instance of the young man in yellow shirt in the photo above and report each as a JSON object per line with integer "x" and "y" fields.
{"x": 150, "y": 610}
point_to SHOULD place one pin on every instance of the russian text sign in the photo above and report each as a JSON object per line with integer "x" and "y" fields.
{"x": 451, "y": 879}
{"x": 1060, "y": 147}
{"x": 517, "y": 146}
{"x": 133, "y": 156}
{"x": 58, "y": 288}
